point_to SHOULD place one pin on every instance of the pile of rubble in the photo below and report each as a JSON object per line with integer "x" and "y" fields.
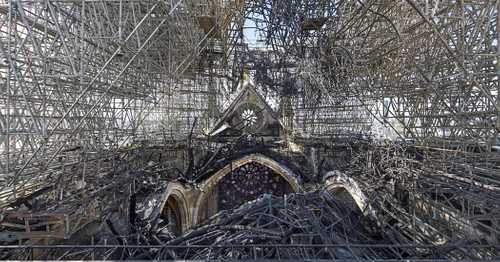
{"x": 299, "y": 225}
{"x": 290, "y": 227}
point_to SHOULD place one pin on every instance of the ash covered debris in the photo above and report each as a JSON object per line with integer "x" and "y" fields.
{"x": 314, "y": 218}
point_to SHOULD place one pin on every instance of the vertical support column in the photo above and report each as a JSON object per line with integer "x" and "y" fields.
{"x": 7, "y": 106}
{"x": 461, "y": 35}
{"x": 498, "y": 72}
{"x": 314, "y": 162}
{"x": 82, "y": 46}
{"x": 212, "y": 101}
{"x": 120, "y": 23}
{"x": 495, "y": 139}
{"x": 287, "y": 116}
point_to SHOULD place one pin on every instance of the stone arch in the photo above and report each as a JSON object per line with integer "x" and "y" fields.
{"x": 176, "y": 200}
{"x": 337, "y": 182}
{"x": 207, "y": 186}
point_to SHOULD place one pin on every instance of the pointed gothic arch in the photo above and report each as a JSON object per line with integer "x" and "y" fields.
{"x": 338, "y": 183}
{"x": 207, "y": 187}
{"x": 175, "y": 209}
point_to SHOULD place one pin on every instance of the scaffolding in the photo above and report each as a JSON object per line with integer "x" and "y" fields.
{"x": 410, "y": 89}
